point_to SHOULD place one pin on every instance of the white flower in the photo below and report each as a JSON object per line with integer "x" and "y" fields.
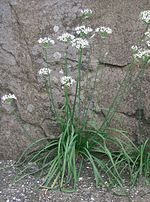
{"x": 86, "y": 13}
{"x": 8, "y": 97}
{"x": 147, "y": 34}
{"x": 145, "y": 16}
{"x": 66, "y": 37}
{"x": 83, "y": 30}
{"x": 44, "y": 71}
{"x": 134, "y": 48}
{"x": 80, "y": 43}
{"x": 67, "y": 80}
{"x": 140, "y": 53}
{"x": 46, "y": 40}
{"x": 104, "y": 30}
{"x": 61, "y": 72}
{"x": 148, "y": 43}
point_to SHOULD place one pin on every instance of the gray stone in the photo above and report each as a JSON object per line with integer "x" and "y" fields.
{"x": 30, "y": 108}
{"x": 56, "y": 28}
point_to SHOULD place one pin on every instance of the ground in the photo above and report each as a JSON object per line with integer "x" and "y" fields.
{"x": 27, "y": 189}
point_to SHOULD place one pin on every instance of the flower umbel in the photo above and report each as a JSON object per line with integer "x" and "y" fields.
{"x": 145, "y": 16}
{"x": 147, "y": 34}
{"x": 86, "y": 13}
{"x": 134, "y": 48}
{"x": 66, "y": 37}
{"x": 8, "y": 97}
{"x": 104, "y": 31}
{"x": 80, "y": 43}
{"x": 46, "y": 40}
{"x": 140, "y": 53}
{"x": 82, "y": 30}
{"x": 67, "y": 80}
{"x": 44, "y": 71}
{"x": 148, "y": 43}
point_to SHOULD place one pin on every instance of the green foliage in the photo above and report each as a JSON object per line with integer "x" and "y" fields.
{"x": 60, "y": 160}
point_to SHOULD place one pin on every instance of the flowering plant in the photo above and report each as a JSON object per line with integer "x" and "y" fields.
{"x": 83, "y": 31}
{"x": 86, "y": 13}
{"x": 46, "y": 41}
{"x": 78, "y": 141}
{"x": 44, "y": 71}
{"x": 8, "y": 98}
{"x": 103, "y": 31}
{"x": 67, "y": 81}
{"x": 66, "y": 37}
{"x": 145, "y": 16}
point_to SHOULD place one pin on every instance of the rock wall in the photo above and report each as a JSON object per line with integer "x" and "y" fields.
{"x": 23, "y": 22}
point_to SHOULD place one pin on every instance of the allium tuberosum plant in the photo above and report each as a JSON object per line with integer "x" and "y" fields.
{"x": 60, "y": 160}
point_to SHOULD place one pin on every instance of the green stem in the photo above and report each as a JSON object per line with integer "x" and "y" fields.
{"x": 78, "y": 87}
{"x": 66, "y": 89}
{"x": 122, "y": 92}
{"x": 66, "y": 103}
{"x": 140, "y": 99}
{"x": 86, "y": 109}
{"x": 79, "y": 81}
{"x": 66, "y": 64}
{"x": 123, "y": 88}
{"x": 50, "y": 92}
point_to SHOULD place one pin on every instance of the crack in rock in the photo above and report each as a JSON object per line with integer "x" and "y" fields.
{"x": 21, "y": 31}
{"x": 9, "y": 53}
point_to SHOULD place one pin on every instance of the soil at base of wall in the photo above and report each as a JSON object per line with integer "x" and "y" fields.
{"x": 26, "y": 190}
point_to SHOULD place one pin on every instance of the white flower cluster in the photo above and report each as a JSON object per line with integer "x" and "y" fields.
{"x": 134, "y": 48}
{"x": 86, "y": 13}
{"x": 148, "y": 43}
{"x": 140, "y": 53}
{"x": 61, "y": 72}
{"x": 8, "y": 97}
{"x": 44, "y": 71}
{"x": 46, "y": 40}
{"x": 104, "y": 30}
{"x": 67, "y": 80}
{"x": 83, "y": 30}
{"x": 80, "y": 43}
{"x": 66, "y": 37}
{"x": 145, "y": 16}
{"x": 147, "y": 34}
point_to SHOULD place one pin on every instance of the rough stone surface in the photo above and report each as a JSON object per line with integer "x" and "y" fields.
{"x": 23, "y": 23}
